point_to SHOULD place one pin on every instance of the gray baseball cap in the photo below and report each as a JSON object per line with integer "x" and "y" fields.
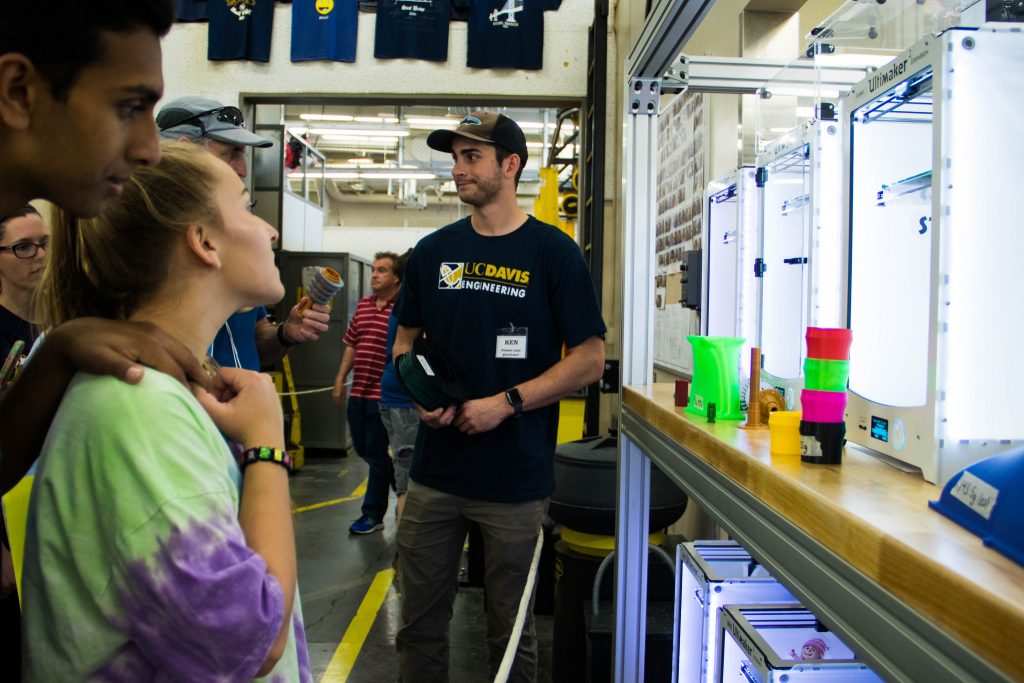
{"x": 199, "y": 117}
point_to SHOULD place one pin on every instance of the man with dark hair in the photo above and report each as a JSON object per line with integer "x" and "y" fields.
{"x": 78, "y": 83}
{"x": 365, "y": 350}
{"x": 499, "y": 293}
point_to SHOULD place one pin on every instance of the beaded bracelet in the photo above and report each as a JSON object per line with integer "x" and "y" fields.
{"x": 267, "y": 454}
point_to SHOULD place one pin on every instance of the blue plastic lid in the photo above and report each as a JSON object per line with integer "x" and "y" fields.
{"x": 984, "y": 499}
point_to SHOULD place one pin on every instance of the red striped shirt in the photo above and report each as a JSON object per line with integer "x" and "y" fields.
{"x": 368, "y": 335}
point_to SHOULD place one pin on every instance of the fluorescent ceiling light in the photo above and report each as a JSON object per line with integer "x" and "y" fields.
{"x": 379, "y": 139}
{"x": 366, "y": 175}
{"x": 358, "y": 146}
{"x": 330, "y": 175}
{"x": 376, "y": 119}
{"x": 431, "y": 122}
{"x": 326, "y": 117}
{"x": 397, "y": 175}
{"x": 361, "y": 131}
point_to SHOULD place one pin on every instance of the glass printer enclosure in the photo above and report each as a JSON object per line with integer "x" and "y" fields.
{"x": 730, "y": 246}
{"x": 710, "y": 574}
{"x": 934, "y": 242}
{"x": 765, "y": 644}
{"x": 801, "y": 242}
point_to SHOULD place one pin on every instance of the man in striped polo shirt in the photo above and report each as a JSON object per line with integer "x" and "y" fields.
{"x": 365, "y": 352}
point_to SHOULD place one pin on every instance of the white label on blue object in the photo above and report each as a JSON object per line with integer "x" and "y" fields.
{"x": 426, "y": 366}
{"x": 975, "y": 493}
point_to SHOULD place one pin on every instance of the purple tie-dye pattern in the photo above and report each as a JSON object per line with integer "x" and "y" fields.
{"x": 301, "y": 651}
{"x": 203, "y": 608}
{"x": 127, "y": 666}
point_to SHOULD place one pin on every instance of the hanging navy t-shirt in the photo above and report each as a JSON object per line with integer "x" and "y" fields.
{"x": 506, "y": 34}
{"x": 417, "y": 29}
{"x": 324, "y": 29}
{"x": 240, "y": 29}
{"x": 464, "y": 290}
{"x": 190, "y": 10}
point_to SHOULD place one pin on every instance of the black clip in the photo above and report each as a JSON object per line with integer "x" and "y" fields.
{"x": 759, "y": 267}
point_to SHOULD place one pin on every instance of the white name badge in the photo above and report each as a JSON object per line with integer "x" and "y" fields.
{"x": 511, "y": 343}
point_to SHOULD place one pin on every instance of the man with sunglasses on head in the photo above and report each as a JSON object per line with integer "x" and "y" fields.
{"x": 78, "y": 85}
{"x": 248, "y": 339}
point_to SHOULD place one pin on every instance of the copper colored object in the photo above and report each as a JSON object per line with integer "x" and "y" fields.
{"x": 771, "y": 400}
{"x": 756, "y": 417}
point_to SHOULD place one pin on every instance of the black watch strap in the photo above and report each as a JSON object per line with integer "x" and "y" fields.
{"x": 282, "y": 340}
{"x": 515, "y": 399}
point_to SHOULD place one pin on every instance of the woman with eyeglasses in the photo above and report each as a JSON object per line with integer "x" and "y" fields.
{"x": 23, "y": 238}
{"x": 152, "y": 552}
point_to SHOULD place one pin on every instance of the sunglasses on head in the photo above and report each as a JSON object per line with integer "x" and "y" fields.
{"x": 176, "y": 117}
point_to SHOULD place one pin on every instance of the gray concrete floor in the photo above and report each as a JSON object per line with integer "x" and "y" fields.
{"x": 336, "y": 569}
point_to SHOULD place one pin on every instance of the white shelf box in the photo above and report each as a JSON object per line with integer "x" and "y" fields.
{"x": 710, "y": 574}
{"x": 764, "y": 644}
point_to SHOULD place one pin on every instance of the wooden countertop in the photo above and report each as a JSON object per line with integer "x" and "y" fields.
{"x": 873, "y": 516}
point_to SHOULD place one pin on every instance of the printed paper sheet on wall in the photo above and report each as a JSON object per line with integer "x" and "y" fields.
{"x": 681, "y": 142}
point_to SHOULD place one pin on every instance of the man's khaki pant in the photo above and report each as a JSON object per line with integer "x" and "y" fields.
{"x": 430, "y": 538}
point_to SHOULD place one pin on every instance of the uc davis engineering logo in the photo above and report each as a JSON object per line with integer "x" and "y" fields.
{"x": 451, "y": 275}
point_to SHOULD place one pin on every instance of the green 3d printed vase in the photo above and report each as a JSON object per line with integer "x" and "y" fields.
{"x": 716, "y": 363}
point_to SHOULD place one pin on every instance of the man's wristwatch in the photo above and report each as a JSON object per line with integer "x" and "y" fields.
{"x": 515, "y": 399}
{"x": 282, "y": 340}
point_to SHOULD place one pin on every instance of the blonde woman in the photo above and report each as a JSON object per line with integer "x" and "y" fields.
{"x": 147, "y": 558}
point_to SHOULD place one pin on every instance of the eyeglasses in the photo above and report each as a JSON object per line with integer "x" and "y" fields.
{"x": 27, "y": 249}
{"x": 176, "y": 117}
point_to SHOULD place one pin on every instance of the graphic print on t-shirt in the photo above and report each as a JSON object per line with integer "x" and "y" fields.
{"x": 324, "y": 30}
{"x": 241, "y": 8}
{"x": 484, "y": 277}
{"x": 509, "y": 11}
{"x": 416, "y": 29}
{"x": 240, "y": 29}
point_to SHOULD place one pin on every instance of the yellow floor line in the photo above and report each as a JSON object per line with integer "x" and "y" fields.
{"x": 356, "y": 495}
{"x": 355, "y": 635}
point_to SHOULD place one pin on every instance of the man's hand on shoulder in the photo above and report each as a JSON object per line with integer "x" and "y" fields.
{"x": 482, "y": 414}
{"x": 123, "y": 348}
{"x": 94, "y": 345}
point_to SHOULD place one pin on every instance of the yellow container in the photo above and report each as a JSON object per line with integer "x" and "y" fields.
{"x": 784, "y": 428}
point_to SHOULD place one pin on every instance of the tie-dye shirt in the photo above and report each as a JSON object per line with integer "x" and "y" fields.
{"x": 136, "y": 568}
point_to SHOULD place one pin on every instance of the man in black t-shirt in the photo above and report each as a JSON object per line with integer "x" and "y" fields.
{"x": 501, "y": 293}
